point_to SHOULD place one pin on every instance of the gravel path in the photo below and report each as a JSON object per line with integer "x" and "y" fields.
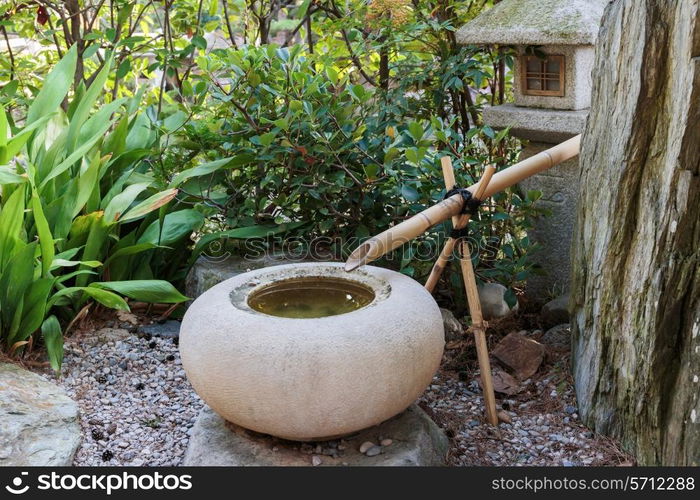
{"x": 135, "y": 402}
{"x": 137, "y": 408}
{"x": 544, "y": 427}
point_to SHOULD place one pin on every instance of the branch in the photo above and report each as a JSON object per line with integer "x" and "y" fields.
{"x": 228, "y": 24}
{"x": 356, "y": 61}
{"x": 9, "y": 50}
{"x": 290, "y": 35}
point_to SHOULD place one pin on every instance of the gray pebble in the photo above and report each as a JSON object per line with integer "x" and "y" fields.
{"x": 373, "y": 451}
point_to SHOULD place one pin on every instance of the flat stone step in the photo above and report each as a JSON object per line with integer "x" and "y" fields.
{"x": 411, "y": 438}
{"x": 38, "y": 421}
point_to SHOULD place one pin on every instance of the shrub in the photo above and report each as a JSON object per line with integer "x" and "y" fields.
{"x": 312, "y": 147}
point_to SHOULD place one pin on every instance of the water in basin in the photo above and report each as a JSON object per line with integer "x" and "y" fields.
{"x": 311, "y": 297}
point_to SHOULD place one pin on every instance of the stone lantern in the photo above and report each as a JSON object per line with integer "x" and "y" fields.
{"x": 554, "y": 46}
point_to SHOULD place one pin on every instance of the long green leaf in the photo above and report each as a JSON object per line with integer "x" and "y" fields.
{"x": 211, "y": 167}
{"x": 86, "y": 185}
{"x": 58, "y": 263}
{"x": 35, "y": 301}
{"x": 86, "y": 104}
{"x": 55, "y": 88}
{"x": 149, "y": 205}
{"x": 145, "y": 290}
{"x": 74, "y": 156}
{"x": 44, "y": 232}
{"x": 4, "y": 127}
{"x": 11, "y": 219}
{"x": 96, "y": 241}
{"x": 8, "y": 176}
{"x": 15, "y": 144}
{"x": 53, "y": 340}
{"x": 97, "y": 122}
{"x": 177, "y": 225}
{"x": 102, "y": 296}
{"x": 121, "y": 202}
{"x": 18, "y": 275}
{"x": 130, "y": 250}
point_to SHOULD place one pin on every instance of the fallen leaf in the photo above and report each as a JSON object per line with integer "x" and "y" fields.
{"x": 505, "y": 383}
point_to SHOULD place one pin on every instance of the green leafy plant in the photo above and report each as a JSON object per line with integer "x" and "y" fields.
{"x": 74, "y": 211}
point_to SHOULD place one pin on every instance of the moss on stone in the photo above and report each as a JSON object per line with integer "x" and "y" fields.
{"x": 529, "y": 21}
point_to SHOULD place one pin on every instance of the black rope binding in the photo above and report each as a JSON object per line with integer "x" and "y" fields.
{"x": 459, "y": 233}
{"x": 470, "y": 205}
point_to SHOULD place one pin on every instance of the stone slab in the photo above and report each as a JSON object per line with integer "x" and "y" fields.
{"x": 207, "y": 272}
{"x": 542, "y": 125}
{"x": 415, "y": 441}
{"x": 38, "y": 421}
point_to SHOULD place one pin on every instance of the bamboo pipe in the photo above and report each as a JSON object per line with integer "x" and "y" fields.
{"x": 409, "y": 229}
{"x": 458, "y": 221}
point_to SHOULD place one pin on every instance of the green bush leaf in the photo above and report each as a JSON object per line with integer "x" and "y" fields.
{"x": 242, "y": 233}
{"x": 211, "y": 167}
{"x": 410, "y": 193}
{"x": 199, "y": 42}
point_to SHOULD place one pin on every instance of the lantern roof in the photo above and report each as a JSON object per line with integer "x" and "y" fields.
{"x": 535, "y": 22}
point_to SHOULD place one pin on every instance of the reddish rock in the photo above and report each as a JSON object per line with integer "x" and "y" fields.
{"x": 522, "y": 355}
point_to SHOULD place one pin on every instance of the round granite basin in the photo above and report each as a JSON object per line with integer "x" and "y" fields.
{"x": 308, "y": 351}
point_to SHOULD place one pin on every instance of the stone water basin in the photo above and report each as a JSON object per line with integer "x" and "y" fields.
{"x": 308, "y": 351}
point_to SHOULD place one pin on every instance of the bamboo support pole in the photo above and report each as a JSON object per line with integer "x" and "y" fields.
{"x": 479, "y": 329}
{"x": 478, "y": 325}
{"x": 409, "y": 229}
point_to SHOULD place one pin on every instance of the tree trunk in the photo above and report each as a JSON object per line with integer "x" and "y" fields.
{"x": 636, "y": 251}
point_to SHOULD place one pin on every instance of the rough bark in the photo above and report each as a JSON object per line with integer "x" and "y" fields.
{"x": 636, "y": 251}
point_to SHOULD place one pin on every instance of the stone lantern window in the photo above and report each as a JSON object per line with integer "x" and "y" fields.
{"x": 543, "y": 75}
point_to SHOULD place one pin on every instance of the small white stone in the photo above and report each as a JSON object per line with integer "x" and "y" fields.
{"x": 386, "y": 442}
{"x": 693, "y": 416}
{"x": 366, "y": 446}
{"x": 316, "y": 460}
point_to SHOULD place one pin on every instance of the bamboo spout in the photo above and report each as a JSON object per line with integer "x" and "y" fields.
{"x": 409, "y": 229}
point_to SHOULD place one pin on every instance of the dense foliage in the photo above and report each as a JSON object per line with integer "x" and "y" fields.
{"x": 303, "y": 126}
